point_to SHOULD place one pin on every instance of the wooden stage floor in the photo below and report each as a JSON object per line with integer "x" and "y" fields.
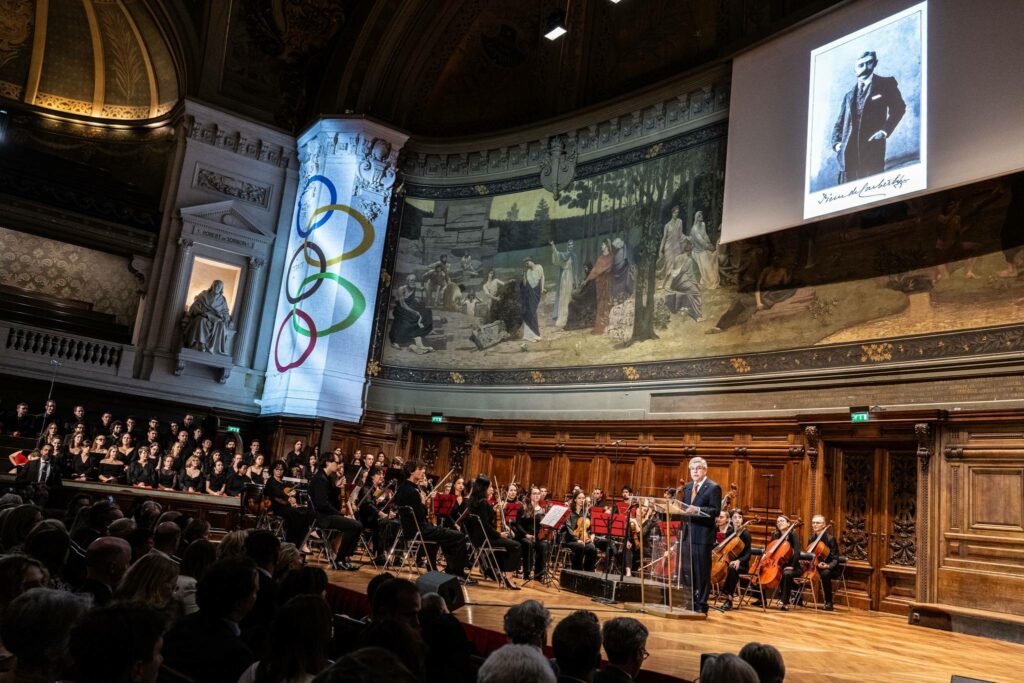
{"x": 845, "y": 645}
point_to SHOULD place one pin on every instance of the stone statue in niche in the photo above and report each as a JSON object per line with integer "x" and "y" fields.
{"x": 205, "y": 326}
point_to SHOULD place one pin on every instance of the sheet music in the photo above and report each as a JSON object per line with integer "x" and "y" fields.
{"x": 554, "y": 515}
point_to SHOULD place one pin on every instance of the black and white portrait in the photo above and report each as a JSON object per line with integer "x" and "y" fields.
{"x": 867, "y": 115}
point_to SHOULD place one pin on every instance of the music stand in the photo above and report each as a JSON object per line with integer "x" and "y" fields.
{"x": 444, "y": 505}
{"x": 554, "y": 519}
{"x": 619, "y": 529}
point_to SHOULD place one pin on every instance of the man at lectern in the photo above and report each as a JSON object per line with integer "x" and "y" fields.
{"x": 703, "y": 499}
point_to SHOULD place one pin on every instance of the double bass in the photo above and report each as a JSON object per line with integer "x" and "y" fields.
{"x": 727, "y": 551}
{"x": 820, "y": 550}
{"x": 775, "y": 558}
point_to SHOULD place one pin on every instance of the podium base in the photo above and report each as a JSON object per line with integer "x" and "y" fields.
{"x": 666, "y": 612}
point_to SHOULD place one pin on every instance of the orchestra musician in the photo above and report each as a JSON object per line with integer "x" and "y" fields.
{"x": 526, "y": 530}
{"x": 323, "y": 495}
{"x": 508, "y": 550}
{"x": 792, "y": 568}
{"x": 452, "y": 542}
{"x": 284, "y": 504}
{"x": 458, "y": 489}
{"x": 576, "y": 534}
{"x": 642, "y": 522}
{"x": 373, "y": 499}
{"x": 544, "y": 503}
{"x": 701, "y": 495}
{"x": 826, "y": 566}
{"x": 740, "y": 565}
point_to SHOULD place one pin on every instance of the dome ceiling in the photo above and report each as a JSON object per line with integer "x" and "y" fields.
{"x": 98, "y": 59}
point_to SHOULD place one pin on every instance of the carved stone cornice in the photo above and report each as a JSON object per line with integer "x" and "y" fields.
{"x": 812, "y": 440}
{"x": 923, "y": 432}
{"x": 611, "y": 129}
{"x": 236, "y": 135}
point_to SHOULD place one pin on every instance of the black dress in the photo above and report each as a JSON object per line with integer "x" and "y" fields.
{"x": 508, "y": 551}
{"x": 86, "y": 466}
{"x": 189, "y": 482}
{"x": 141, "y": 474}
{"x": 217, "y": 482}
{"x": 167, "y": 479}
{"x": 534, "y": 552}
{"x": 112, "y": 469}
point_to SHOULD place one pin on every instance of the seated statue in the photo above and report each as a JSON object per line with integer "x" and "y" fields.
{"x": 205, "y": 325}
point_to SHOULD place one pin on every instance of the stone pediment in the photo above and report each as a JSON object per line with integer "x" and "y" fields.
{"x": 223, "y": 220}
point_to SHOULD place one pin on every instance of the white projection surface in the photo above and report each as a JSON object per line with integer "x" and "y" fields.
{"x": 943, "y": 100}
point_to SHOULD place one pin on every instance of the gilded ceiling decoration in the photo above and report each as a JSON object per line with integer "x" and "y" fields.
{"x": 100, "y": 59}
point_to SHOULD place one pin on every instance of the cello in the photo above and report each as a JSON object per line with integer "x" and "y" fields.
{"x": 820, "y": 550}
{"x": 775, "y": 558}
{"x": 727, "y": 551}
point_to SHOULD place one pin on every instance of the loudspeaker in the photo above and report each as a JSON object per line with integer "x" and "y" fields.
{"x": 964, "y": 679}
{"x": 445, "y": 585}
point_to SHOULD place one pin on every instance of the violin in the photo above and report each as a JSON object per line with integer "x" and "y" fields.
{"x": 582, "y": 530}
{"x": 727, "y": 551}
{"x": 820, "y": 550}
{"x": 775, "y": 558}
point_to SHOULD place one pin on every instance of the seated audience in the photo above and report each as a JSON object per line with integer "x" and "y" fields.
{"x": 576, "y": 641}
{"x": 233, "y": 544}
{"x": 446, "y": 641}
{"x": 302, "y": 581}
{"x": 152, "y": 580}
{"x": 397, "y": 599}
{"x": 766, "y": 661}
{"x": 367, "y": 665}
{"x": 262, "y": 547}
{"x": 50, "y": 543}
{"x": 726, "y": 668}
{"x": 95, "y": 522}
{"x": 122, "y": 527}
{"x": 106, "y": 562}
{"x": 196, "y": 560}
{"x": 527, "y": 624}
{"x": 166, "y": 538}
{"x": 516, "y": 664}
{"x": 35, "y": 629}
{"x": 207, "y": 646}
{"x": 16, "y": 525}
{"x": 625, "y": 643}
{"x": 297, "y": 646}
{"x": 400, "y": 638}
{"x": 118, "y": 644}
{"x": 288, "y": 559}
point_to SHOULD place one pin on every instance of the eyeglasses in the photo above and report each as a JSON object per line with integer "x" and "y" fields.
{"x": 645, "y": 655}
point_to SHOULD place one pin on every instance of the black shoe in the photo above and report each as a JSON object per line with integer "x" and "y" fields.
{"x": 727, "y": 605}
{"x": 828, "y": 607}
{"x": 345, "y": 565}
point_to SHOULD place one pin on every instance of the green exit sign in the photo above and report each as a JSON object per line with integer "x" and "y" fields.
{"x": 233, "y": 430}
{"x": 860, "y": 416}
{"x": 437, "y": 418}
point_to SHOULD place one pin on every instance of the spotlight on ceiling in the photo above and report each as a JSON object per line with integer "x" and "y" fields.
{"x": 555, "y": 27}
{"x": 615, "y": 2}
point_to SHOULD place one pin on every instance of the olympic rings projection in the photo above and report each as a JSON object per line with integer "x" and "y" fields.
{"x": 300, "y": 322}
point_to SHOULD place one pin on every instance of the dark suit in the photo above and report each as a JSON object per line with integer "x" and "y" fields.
{"x": 881, "y": 107}
{"x": 702, "y": 537}
{"x": 206, "y": 649}
{"x": 256, "y": 624}
{"x": 452, "y": 542}
{"x": 612, "y": 674}
{"x": 329, "y": 516}
{"x": 30, "y": 474}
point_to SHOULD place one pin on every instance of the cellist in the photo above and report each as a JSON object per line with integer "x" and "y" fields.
{"x": 792, "y": 568}
{"x": 825, "y": 566}
{"x": 740, "y": 565}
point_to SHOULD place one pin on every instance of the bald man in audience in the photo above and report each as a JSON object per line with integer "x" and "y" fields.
{"x": 106, "y": 561}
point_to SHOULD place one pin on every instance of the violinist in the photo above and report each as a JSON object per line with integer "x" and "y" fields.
{"x": 642, "y": 521}
{"x": 323, "y": 495}
{"x": 376, "y": 515}
{"x": 286, "y": 506}
{"x": 576, "y": 534}
{"x": 544, "y": 503}
{"x": 792, "y": 568}
{"x": 509, "y": 552}
{"x": 452, "y": 542}
{"x": 526, "y": 530}
{"x": 457, "y": 489}
{"x": 741, "y": 564}
{"x": 824, "y": 566}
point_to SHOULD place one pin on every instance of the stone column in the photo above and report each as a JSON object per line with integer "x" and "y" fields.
{"x": 180, "y": 276}
{"x": 317, "y": 364}
{"x": 245, "y": 320}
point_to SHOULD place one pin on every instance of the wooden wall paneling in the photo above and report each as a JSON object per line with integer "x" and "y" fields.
{"x": 896, "y": 526}
{"x": 856, "y": 481}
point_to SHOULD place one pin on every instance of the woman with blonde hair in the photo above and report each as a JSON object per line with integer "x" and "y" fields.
{"x": 288, "y": 558}
{"x": 233, "y": 544}
{"x": 152, "y": 580}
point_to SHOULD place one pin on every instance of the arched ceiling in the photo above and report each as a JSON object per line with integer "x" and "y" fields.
{"x": 97, "y": 59}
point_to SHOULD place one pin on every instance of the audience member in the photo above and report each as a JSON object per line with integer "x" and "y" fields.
{"x": 726, "y": 668}
{"x": 76, "y": 502}
{"x": 106, "y": 562}
{"x": 375, "y": 584}
{"x": 576, "y": 641}
{"x": 367, "y": 665}
{"x": 527, "y": 624}
{"x": 18, "y": 573}
{"x": 17, "y": 523}
{"x": 35, "y": 629}
{"x": 397, "y": 599}
{"x": 288, "y": 559}
{"x": 166, "y": 538}
{"x": 446, "y": 640}
{"x": 152, "y": 580}
{"x": 97, "y": 520}
{"x": 118, "y": 644}
{"x": 146, "y": 514}
{"x": 401, "y": 639}
{"x": 262, "y": 547}
{"x": 141, "y": 541}
{"x": 516, "y": 664}
{"x": 302, "y": 581}
{"x": 625, "y": 643}
{"x": 207, "y": 646}
{"x": 765, "y": 660}
{"x": 198, "y": 557}
{"x": 48, "y": 542}
{"x": 233, "y": 544}
{"x": 297, "y": 647}
{"x": 197, "y": 529}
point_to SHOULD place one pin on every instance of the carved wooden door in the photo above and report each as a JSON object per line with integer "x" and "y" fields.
{"x": 876, "y": 524}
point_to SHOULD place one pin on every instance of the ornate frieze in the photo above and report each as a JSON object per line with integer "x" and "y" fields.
{"x": 232, "y": 185}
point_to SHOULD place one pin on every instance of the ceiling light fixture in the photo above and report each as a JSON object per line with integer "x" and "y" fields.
{"x": 555, "y": 26}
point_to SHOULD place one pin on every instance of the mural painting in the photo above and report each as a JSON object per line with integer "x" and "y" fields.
{"x": 624, "y": 266}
